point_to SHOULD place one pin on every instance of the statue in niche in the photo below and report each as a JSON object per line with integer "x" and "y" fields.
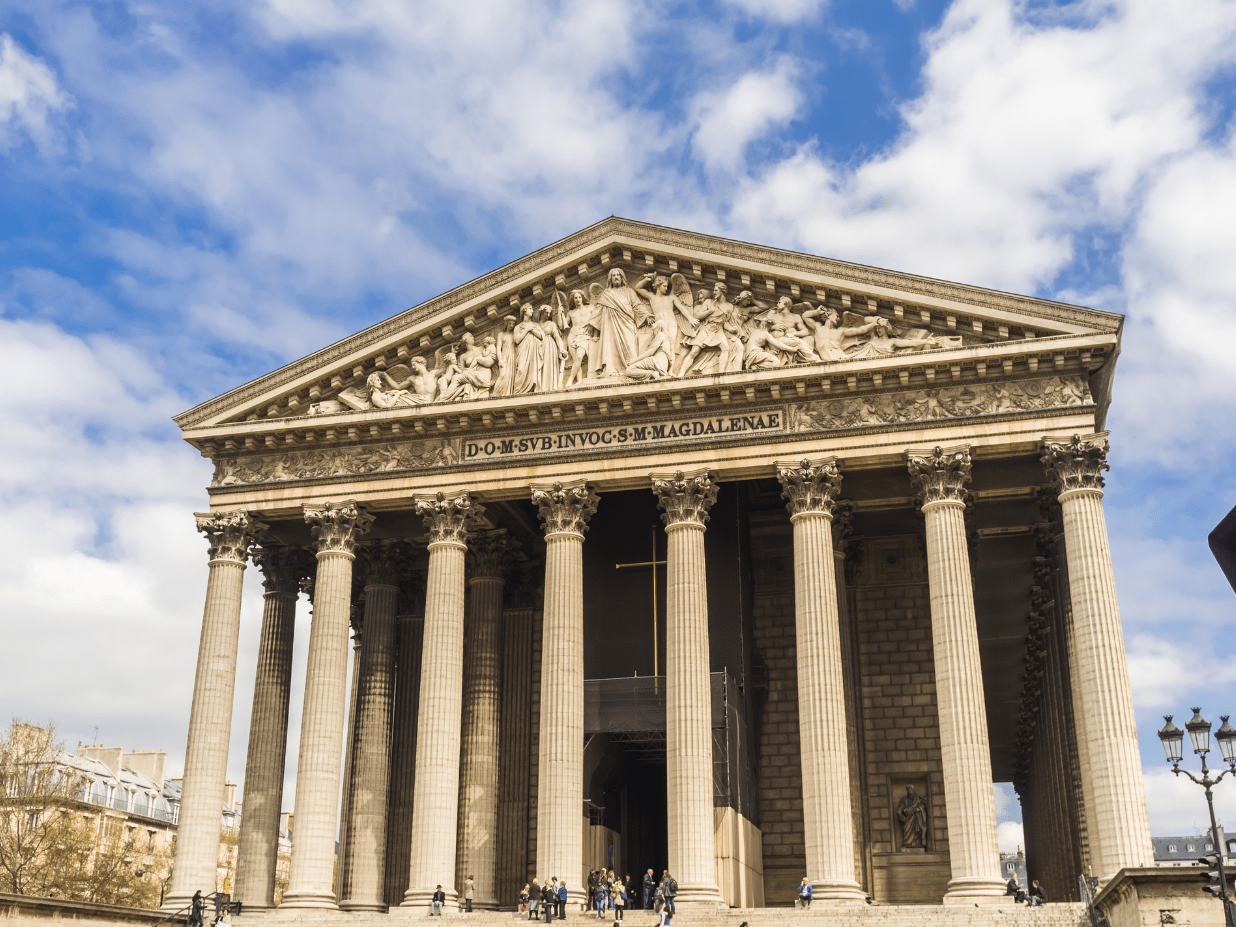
{"x": 474, "y": 379}
{"x": 830, "y": 336}
{"x": 553, "y": 350}
{"x": 505, "y": 355}
{"x": 617, "y": 307}
{"x": 529, "y": 347}
{"x": 581, "y": 337}
{"x": 912, "y": 813}
{"x": 654, "y": 362}
{"x": 713, "y": 332}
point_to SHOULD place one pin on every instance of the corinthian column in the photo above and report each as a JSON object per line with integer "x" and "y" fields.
{"x": 1117, "y": 826}
{"x": 811, "y": 489}
{"x": 336, "y": 527}
{"x": 283, "y": 568}
{"x": 684, "y": 500}
{"x": 565, "y": 509}
{"x": 365, "y": 864}
{"x": 940, "y": 477}
{"x": 230, "y": 535}
{"x": 435, "y": 804}
{"x": 478, "y": 793}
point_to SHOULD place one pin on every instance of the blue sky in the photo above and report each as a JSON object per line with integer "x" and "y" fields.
{"x": 192, "y": 195}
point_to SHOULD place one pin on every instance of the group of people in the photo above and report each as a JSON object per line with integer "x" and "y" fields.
{"x": 1033, "y": 898}
{"x": 606, "y": 892}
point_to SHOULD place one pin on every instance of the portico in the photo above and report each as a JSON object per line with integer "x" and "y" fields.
{"x": 852, "y": 599}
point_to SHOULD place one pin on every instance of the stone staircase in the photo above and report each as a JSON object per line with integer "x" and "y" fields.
{"x": 1014, "y": 915}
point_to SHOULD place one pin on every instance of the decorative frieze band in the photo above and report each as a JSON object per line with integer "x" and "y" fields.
{"x": 229, "y": 534}
{"x": 684, "y": 498}
{"x": 1076, "y": 463}
{"x": 447, "y": 518}
{"x": 940, "y": 474}
{"x": 565, "y": 508}
{"x": 337, "y": 526}
{"x": 810, "y": 486}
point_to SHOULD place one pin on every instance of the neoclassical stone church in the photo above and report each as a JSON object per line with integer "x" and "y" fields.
{"x": 654, "y": 550}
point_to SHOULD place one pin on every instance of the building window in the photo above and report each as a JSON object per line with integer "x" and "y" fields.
{"x": 1191, "y": 848}
{"x": 1171, "y": 848}
{"x": 1210, "y": 846}
{"x": 150, "y": 839}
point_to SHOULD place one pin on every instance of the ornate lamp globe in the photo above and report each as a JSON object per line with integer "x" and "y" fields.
{"x": 1199, "y": 732}
{"x": 1173, "y": 739}
{"x": 1226, "y": 736}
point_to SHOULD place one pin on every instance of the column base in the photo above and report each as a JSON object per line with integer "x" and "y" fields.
{"x": 352, "y": 905}
{"x": 699, "y": 897}
{"x": 974, "y": 890}
{"x": 415, "y": 898}
{"x": 837, "y": 892}
{"x": 294, "y": 901}
{"x": 173, "y": 903}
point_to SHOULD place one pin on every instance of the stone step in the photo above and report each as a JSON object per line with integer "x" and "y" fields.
{"x": 1051, "y": 915}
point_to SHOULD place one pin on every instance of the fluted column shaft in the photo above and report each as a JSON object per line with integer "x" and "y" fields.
{"x": 685, "y": 500}
{"x": 1117, "y": 824}
{"x": 478, "y": 793}
{"x": 828, "y": 824}
{"x": 364, "y": 876}
{"x": 342, "y": 854}
{"x": 310, "y": 881}
{"x": 436, "y": 795}
{"x": 230, "y": 535}
{"x": 410, "y": 632}
{"x": 564, "y": 510}
{"x": 258, "y": 852}
{"x": 965, "y": 753}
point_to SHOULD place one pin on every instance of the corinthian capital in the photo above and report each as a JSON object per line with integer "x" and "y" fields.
{"x": 447, "y": 518}
{"x": 565, "y": 507}
{"x": 941, "y": 474}
{"x": 337, "y": 526}
{"x": 385, "y": 561}
{"x": 684, "y": 498}
{"x": 229, "y": 534}
{"x": 489, "y": 554}
{"x": 810, "y": 486}
{"x": 1077, "y": 462}
{"x": 283, "y": 568}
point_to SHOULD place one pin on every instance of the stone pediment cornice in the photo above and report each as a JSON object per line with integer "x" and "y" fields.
{"x": 951, "y": 311}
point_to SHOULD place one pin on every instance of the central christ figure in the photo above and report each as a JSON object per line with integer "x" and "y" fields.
{"x": 616, "y": 322}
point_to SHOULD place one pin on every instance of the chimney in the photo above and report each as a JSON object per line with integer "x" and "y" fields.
{"x": 229, "y": 794}
{"x": 108, "y": 756}
{"x": 150, "y": 763}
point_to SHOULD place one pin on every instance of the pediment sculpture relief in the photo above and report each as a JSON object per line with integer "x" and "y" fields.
{"x": 613, "y": 332}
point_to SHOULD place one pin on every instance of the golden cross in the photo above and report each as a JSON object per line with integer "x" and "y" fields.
{"x": 654, "y": 563}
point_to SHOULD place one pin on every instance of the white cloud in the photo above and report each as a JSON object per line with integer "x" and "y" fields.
{"x": 785, "y": 11}
{"x": 1010, "y": 836}
{"x": 29, "y": 94}
{"x": 1177, "y": 807}
{"x": 1163, "y": 673}
{"x": 729, "y": 120}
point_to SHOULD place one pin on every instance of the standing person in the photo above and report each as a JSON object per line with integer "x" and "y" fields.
{"x": 669, "y": 885}
{"x": 469, "y": 887}
{"x": 1037, "y": 895}
{"x": 562, "y": 900}
{"x": 598, "y": 898}
{"x": 436, "y": 903}
{"x": 534, "y": 900}
{"x": 523, "y": 899}
{"x": 650, "y": 888}
{"x": 549, "y": 899}
{"x": 195, "y": 914}
{"x": 620, "y": 899}
{"x": 804, "y": 893}
{"x": 592, "y": 887}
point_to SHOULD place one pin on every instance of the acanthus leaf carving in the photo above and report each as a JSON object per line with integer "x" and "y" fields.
{"x": 565, "y": 508}
{"x": 448, "y": 519}
{"x": 810, "y": 487}
{"x": 684, "y": 499}
{"x": 337, "y": 526}
{"x": 490, "y": 554}
{"x": 284, "y": 568}
{"x": 230, "y": 534}
{"x": 940, "y": 475}
{"x": 1077, "y": 463}
{"x": 385, "y": 561}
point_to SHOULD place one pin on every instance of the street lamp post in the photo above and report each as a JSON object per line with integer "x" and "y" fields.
{"x": 1172, "y": 738}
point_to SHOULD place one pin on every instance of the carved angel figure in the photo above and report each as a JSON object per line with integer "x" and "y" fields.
{"x": 830, "y": 335}
{"x": 389, "y": 389}
{"x": 712, "y": 331}
{"x": 665, "y": 296}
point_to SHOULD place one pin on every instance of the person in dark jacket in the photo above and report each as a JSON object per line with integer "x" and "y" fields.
{"x": 195, "y": 915}
{"x": 804, "y": 893}
{"x": 669, "y": 885}
{"x": 549, "y": 899}
{"x": 1037, "y": 895}
{"x": 562, "y": 900}
{"x": 436, "y": 903}
{"x": 1012, "y": 888}
{"x": 650, "y": 888}
{"x": 592, "y": 888}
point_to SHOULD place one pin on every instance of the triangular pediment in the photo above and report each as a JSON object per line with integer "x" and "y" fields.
{"x": 561, "y": 327}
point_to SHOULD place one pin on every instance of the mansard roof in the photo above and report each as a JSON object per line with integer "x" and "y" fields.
{"x": 951, "y": 316}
